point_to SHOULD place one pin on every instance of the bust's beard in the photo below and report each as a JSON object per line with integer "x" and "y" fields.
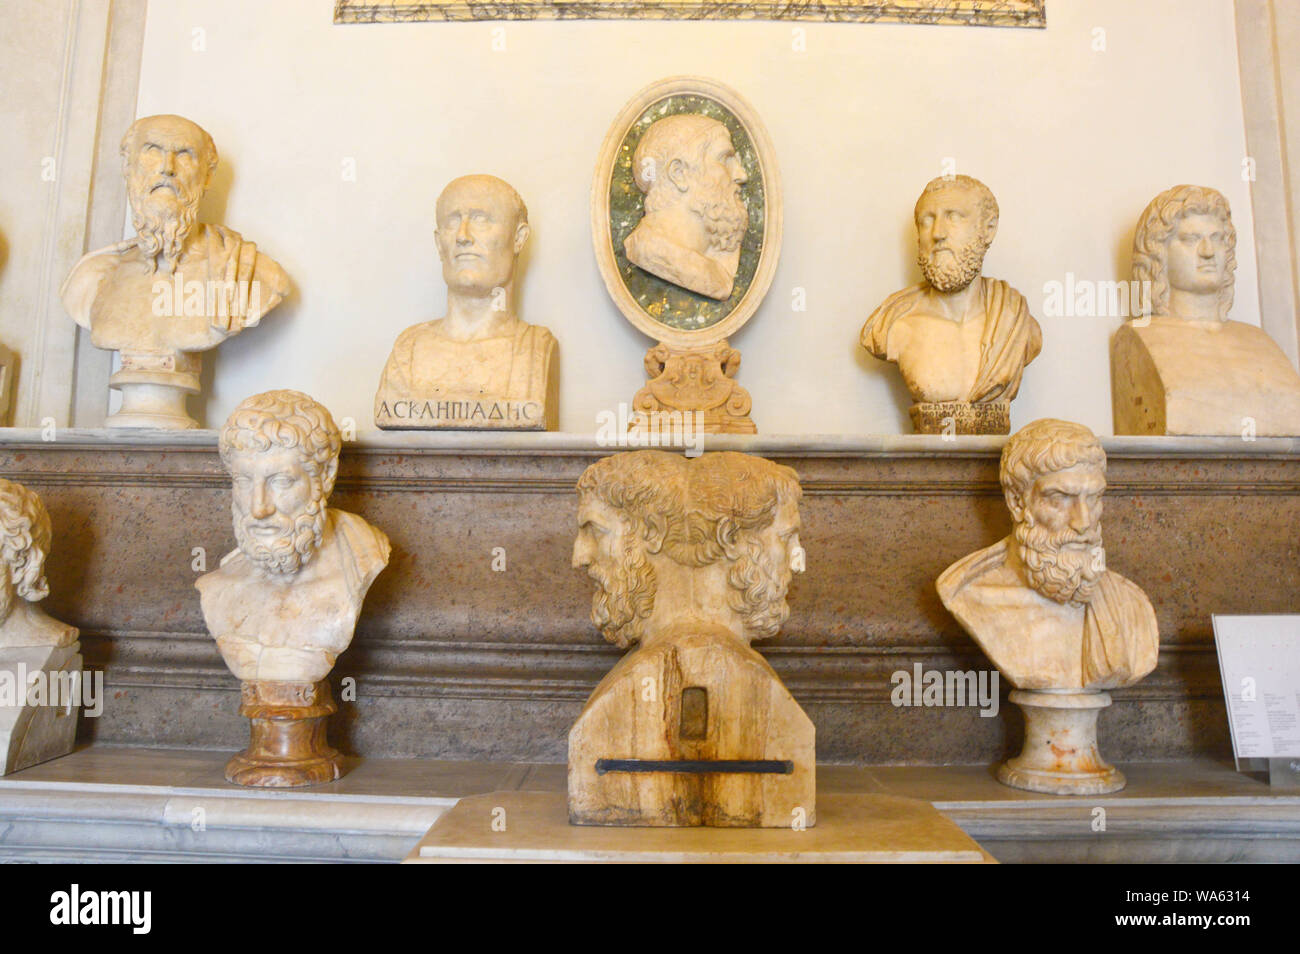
{"x": 725, "y": 216}
{"x": 281, "y": 557}
{"x": 624, "y": 597}
{"x": 1062, "y": 573}
{"x": 162, "y": 231}
{"x": 758, "y": 588}
{"x": 958, "y": 270}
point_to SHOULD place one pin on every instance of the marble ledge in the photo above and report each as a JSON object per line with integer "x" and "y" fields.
{"x": 552, "y": 443}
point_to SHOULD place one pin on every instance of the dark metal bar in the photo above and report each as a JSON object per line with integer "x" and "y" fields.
{"x": 698, "y": 767}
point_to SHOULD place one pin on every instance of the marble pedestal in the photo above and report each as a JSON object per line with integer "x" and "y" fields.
{"x": 287, "y": 747}
{"x": 1060, "y": 755}
{"x": 30, "y": 734}
{"x": 514, "y": 827}
{"x": 961, "y": 417}
{"x": 153, "y": 389}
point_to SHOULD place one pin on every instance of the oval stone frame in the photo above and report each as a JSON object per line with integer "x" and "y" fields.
{"x": 602, "y": 226}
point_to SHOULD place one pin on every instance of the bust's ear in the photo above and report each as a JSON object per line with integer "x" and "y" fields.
{"x": 522, "y": 231}
{"x": 1016, "y": 504}
{"x": 676, "y": 173}
{"x": 990, "y": 229}
{"x": 656, "y": 529}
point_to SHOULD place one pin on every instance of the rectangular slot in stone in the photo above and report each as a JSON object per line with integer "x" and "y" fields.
{"x": 695, "y": 713}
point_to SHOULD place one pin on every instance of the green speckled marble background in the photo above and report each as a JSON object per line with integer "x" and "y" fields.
{"x": 663, "y": 301}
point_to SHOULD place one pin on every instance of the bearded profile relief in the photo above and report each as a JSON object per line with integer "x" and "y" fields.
{"x": 695, "y": 214}
{"x": 1047, "y": 611}
{"x": 692, "y": 561}
{"x": 284, "y": 604}
{"x": 178, "y": 287}
{"x": 961, "y": 340}
{"x": 1187, "y": 368}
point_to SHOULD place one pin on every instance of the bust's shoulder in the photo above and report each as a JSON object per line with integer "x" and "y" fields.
{"x": 82, "y": 285}
{"x": 973, "y": 571}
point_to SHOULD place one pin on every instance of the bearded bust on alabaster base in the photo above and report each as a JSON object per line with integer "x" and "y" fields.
{"x": 285, "y": 603}
{"x": 1187, "y": 368}
{"x": 692, "y": 561}
{"x": 34, "y": 648}
{"x": 1058, "y": 625}
{"x": 961, "y": 341}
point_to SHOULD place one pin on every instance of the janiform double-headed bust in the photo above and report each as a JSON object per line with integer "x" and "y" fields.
{"x": 961, "y": 340}
{"x": 284, "y": 604}
{"x": 179, "y": 287}
{"x": 1059, "y": 625}
{"x": 695, "y": 214}
{"x": 480, "y": 366}
{"x": 1186, "y": 368}
{"x": 692, "y": 561}
{"x": 32, "y": 644}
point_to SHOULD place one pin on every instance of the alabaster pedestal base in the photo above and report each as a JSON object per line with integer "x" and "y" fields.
{"x": 689, "y": 381}
{"x": 287, "y": 747}
{"x": 39, "y": 721}
{"x": 153, "y": 389}
{"x": 1060, "y": 755}
{"x": 959, "y": 417}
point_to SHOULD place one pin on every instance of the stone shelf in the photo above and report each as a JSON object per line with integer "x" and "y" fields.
{"x": 106, "y": 803}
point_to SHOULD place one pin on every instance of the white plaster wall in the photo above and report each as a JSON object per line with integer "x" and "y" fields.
{"x": 1073, "y": 141}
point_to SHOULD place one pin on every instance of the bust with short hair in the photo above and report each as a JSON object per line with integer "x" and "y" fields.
{"x": 179, "y": 287}
{"x": 961, "y": 341}
{"x": 695, "y": 215}
{"x": 692, "y": 560}
{"x": 1041, "y": 602}
{"x": 1187, "y": 368}
{"x": 32, "y": 644}
{"x": 284, "y": 604}
{"x": 480, "y": 367}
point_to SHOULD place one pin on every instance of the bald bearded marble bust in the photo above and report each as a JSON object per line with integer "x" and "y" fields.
{"x": 179, "y": 287}
{"x": 961, "y": 341}
{"x": 480, "y": 366}
{"x": 1041, "y": 603}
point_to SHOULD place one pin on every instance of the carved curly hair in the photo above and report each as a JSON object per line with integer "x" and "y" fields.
{"x": 285, "y": 419}
{"x": 1159, "y": 222}
{"x": 24, "y": 539}
{"x": 1046, "y": 446}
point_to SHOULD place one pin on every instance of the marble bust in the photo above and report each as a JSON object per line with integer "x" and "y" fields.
{"x": 1187, "y": 368}
{"x": 1041, "y": 602}
{"x": 695, "y": 216}
{"x": 284, "y": 604}
{"x": 179, "y": 287}
{"x": 480, "y": 366}
{"x": 692, "y": 560}
{"x": 961, "y": 340}
{"x": 31, "y": 641}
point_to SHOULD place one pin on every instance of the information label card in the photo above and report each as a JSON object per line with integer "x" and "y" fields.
{"x": 1259, "y": 657}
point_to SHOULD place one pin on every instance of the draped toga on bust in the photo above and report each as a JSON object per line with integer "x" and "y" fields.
{"x": 1120, "y": 638}
{"x": 1011, "y": 338}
